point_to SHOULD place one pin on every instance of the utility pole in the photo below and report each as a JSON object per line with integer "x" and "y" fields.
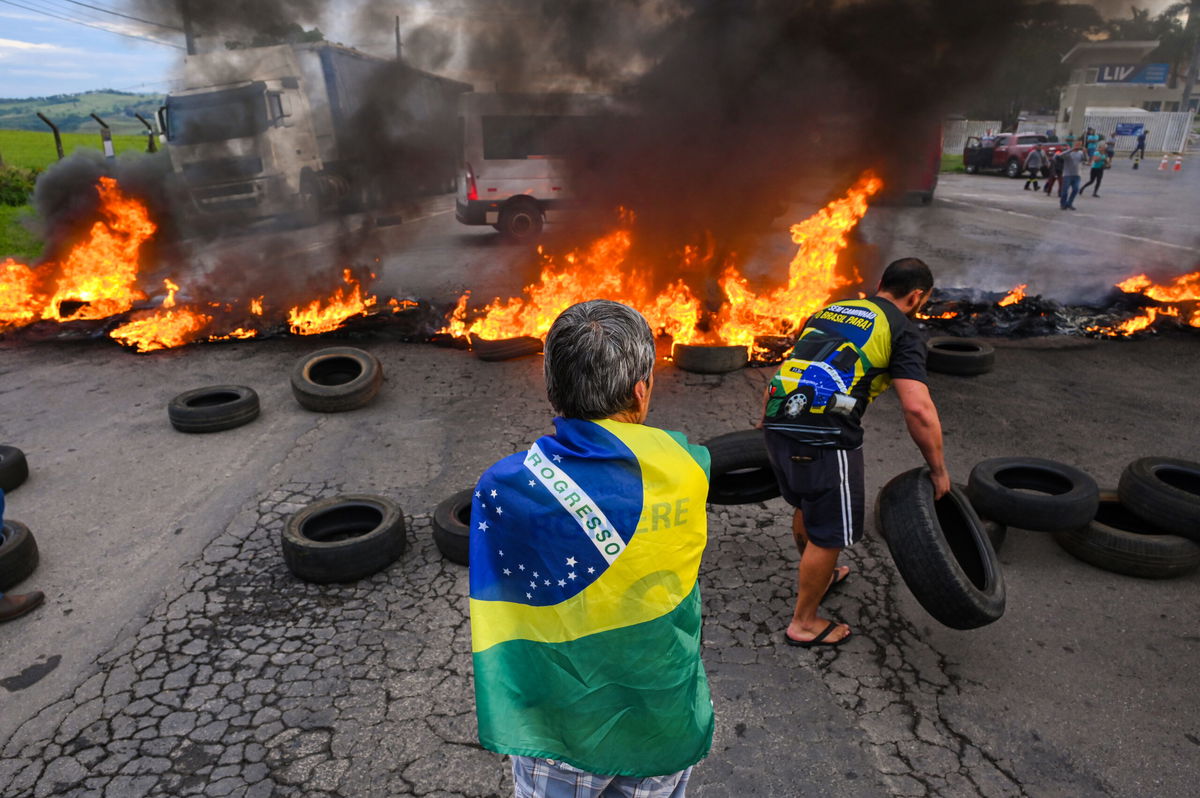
{"x": 399, "y": 46}
{"x": 189, "y": 34}
{"x": 1193, "y": 25}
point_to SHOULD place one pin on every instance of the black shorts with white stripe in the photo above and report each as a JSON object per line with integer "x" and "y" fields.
{"x": 825, "y": 484}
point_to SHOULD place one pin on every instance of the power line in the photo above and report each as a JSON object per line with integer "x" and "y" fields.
{"x": 89, "y": 25}
{"x": 126, "y": 16}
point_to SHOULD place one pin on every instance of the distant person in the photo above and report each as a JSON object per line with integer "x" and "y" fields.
{"x": 1070, "y": 140}
{"x": 1073, "y": 162}
{"x": 1056, "y": 173}
{"x": 585, "y": 599}
{"x": 1034, "y": 162}
{"x": 1099, "y": 164}
{"x": 1092, "y": 140}
{"x": 1110, "y": 148}
{"x": 1140, "y": 150}
{"x": 14, "y": 605}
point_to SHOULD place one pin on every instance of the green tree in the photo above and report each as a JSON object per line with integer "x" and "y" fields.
{"x": 292, "y": 33}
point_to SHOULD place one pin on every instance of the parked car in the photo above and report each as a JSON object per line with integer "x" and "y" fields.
{"x": 1004, "y": 152}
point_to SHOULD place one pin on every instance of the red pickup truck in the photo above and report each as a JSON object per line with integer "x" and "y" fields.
{"x": 1004, "y": 152}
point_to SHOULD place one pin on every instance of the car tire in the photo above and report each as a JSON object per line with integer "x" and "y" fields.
{"x": 451, "y": 527}
{"x": 521, "y": 221}
{"x": 942, "y": 551}
{"x": 1165, "y": 492}
{"x": 971, "y": 169}
{"x": 1117, "y": 540}
{"x": 343, "y": 539}
{"x": 506, "y": 348}
{"x": 214, "y": 408}
{"x": 14, "y": 468}
{"x": 336, "y": 379}
{"x": 18, "y": 554}
{"x": 1064, "y": 498}
{"x": 740, "y": 471}
{"x": 709, "y": 359}
{"x": 1012, "y": 169}
{"x": 962, "y": 357}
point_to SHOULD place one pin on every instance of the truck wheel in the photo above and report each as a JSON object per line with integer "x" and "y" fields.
{"x": 451, "y": 532}
{"x": 1012, "y": 168}
{"x": 14, "y": 468}
{"x": 1118, "y": 541}
{"x": 18, "y": 554}
{"x": 213, "y": 409}
{"x": 521, "y": 221}
{"x": 343, "y": 539}
{"x": 740, "y": 468}
{"x": 1032, "y": 493}
{"x": 336, "y": 379}
{"x": 942, "y": 551}
{"x": 1165, "y": 492}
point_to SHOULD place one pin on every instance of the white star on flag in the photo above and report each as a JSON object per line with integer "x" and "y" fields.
{"x": 571, "y": 576}
{"x": 532, "y": 484}
{"x": 558, "y": 458}
{"x": 591, "y": 570}
{"x": 493, "y": 493}
{"x": 571, "y": 561}
{"x": 535, "y": 574}
{"x": 528, "y": 595}
{"x": 500, "y": 552}
{"x": 533, "y": 584}
{"x": 507, "y": 572}
{"x": 522, "y": 567}
{"x": 547, "y": 581}
{"x": 483, "y": 526}
{"x": 562, "y": 583}
{"x": 499, "y": 511}
{"x": 477, "y": 494}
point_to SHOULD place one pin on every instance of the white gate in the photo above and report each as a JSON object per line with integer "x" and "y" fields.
{"x": 1168, "y": 130}
{"x": 956, "y": 131}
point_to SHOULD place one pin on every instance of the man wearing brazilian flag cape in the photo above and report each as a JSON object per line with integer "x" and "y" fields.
{"x": 585, "y": 608}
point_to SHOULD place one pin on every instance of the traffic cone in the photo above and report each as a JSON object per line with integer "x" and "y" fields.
{"x": 1178, "y": 163}
{"x": 1162, "y": 167}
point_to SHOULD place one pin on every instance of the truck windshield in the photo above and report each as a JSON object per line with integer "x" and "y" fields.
{"x": 217, "y": 115}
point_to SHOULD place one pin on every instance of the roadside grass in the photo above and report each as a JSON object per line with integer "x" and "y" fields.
{"x": 35, "y": 150}
{"x": 15, "y": 240}
{"x": 952, "y": 163}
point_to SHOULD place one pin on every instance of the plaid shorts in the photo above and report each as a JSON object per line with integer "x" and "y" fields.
{"x": 549, "y": 778}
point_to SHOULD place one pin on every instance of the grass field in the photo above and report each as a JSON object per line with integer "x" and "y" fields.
{"x": 71, "y": 111}
{"x": 15, "y": 240}
{"x": 952, "y": 162}
{"x": 35, "y": 150}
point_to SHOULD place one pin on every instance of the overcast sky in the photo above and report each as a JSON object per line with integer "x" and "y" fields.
{"x": 44, "y": 48}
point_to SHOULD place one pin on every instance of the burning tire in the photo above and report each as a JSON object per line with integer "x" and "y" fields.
{"x": 709, "y": 359}
{"x": 451, "y": 527}
{"x": 942, "y": 551}
{"x": 520, "y": 221}
{"x": 506, "y": 348}
{"x": 18, "y": 554}
{"x": 14, "y": 468}
{"x": 1119, "y": 541}
{"x": 343, "y": 539}
{"x": 212, "y": 409}
{"x": 1063, "y": 497}
{"x": 959, "y": 356}
{"x": 741, "y": 472}
{"x": 336, "y": 379}
{"x": 1164, "y": 492}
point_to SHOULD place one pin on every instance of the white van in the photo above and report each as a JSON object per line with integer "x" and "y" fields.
{"x": 513, "y": 174}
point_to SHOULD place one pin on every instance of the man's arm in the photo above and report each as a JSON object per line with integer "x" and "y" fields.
{"x": 925, "y": 427}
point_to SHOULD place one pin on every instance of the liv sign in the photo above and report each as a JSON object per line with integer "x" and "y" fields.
{"x": 1133, "y": 73}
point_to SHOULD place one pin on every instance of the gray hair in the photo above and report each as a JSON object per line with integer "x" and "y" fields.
{"x": 596, "y": 352}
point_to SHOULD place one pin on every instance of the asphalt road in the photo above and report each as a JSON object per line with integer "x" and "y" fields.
{"x": 177, "y": 656}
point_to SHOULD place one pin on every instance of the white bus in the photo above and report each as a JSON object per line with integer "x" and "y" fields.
{"x": 514, "y": 172}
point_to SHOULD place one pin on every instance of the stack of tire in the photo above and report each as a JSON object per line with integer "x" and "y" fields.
{"x": 18, "y": 549}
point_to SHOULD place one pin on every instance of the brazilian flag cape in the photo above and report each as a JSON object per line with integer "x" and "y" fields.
{"x": 585, "y": 609}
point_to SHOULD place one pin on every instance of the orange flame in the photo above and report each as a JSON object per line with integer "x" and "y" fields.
{"x": 1014, "y": 296}
{"x": 256, "y": 306}
{"x": 1185, "y": 288}
{"x": 325, "y": 316}
{"x": 603, "y": 270}
{"x": 165, "y": 328}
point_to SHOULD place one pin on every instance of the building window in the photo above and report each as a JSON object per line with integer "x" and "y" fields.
{"x": 1152, "y": 105}
{"x": 1171, "y": 106}
{"x": 1194, "y": 104}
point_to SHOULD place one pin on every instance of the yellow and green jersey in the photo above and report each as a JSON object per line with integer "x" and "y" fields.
{"x": 846, "y": 355}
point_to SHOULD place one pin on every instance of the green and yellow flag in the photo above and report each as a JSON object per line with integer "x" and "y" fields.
{"x": 585, "y": 610}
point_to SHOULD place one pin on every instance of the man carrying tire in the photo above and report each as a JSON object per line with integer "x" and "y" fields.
{"x": 847, "y": 354}
{"x": 585, "y": 608}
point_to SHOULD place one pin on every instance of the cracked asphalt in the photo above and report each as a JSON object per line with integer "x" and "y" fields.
{"x": 176, "y": 655}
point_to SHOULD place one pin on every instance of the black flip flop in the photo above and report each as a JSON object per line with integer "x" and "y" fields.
{"x": 819, "y": 640}
{"x": 833, "y": 585}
